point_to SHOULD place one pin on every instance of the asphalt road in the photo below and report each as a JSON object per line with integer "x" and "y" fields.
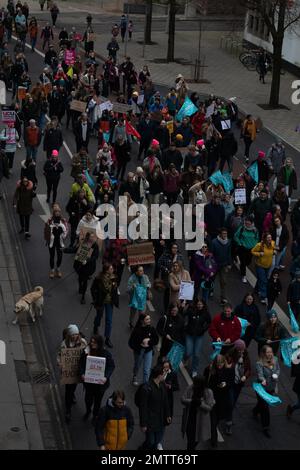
{"x": 62, "y": 307}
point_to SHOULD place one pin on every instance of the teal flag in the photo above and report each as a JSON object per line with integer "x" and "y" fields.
{"x": 293, "y": 321}
{"x": 244, "y": 325}
{"x": 89, "y": 179}
{"x": 175, "y": 355}
{"x": 253, "y": 171}
{"x": 270, "y": 399}
{"x": 216, "y": 178}
{"x": 187, "y": 109}
{"x": 286, "y": 349}
{"x": 217, "y": 349}
{"x": 106, "y": 136}
{"x": 227, "y": 182}
{"x": 139, "y": 298}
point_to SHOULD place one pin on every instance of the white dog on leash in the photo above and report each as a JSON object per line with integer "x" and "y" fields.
{"x": 31, "y": 303}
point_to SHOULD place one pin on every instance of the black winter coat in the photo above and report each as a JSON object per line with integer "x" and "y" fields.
{"x": 139, "y": 334}
{"x": 53, "y": 139}
{"x": 154, "y": 406}
{"x": 197, "y": 321}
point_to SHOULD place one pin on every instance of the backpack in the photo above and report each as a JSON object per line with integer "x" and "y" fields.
{"x": 138, "y": 394}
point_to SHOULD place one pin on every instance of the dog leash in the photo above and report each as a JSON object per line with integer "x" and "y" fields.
{"x": 88, "y": 314}
{"x": 59, "y": 282}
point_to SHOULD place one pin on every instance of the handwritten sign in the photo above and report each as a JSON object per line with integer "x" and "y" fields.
{"x": 240, "y": 196}
{"x": 140, "y": 253}
{"x": 8, "y": 116}
{"x": 70, "y": 365}
{"x": 94, "y": 370}
{"x": 186, "y": 291}
{"x": 2, "y": 92}
{"x": 77, "y": 105}
{"x": 70, "y": 56}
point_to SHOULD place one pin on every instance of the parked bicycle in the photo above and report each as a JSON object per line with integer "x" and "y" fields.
{"x": 250, "y": 58}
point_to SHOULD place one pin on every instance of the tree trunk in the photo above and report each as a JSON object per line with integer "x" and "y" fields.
{"x": 171, "y": 31}
{"x": 277, "y": 52}
{"x": 275, "y": 87}
{"x": 148, "y": 25}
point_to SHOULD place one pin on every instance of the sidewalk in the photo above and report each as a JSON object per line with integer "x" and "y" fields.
{"x": 19, "y": 424}
{"x": 226, "y": 75}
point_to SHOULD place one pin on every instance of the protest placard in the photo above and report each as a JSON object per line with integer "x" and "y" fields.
{"x": 186, "y": 291}
{"x": 140, "y": 253}
{"x": 122, "y": 108}
{"x": 77, "y": 105}
{"x": 70, "y": 365}
{"x": 8, "y": 116}
{"x": 94, "y": 370}
{"x": 2, "y": 92}
{"x": 170, "y": 127}
{"x": 106, "y": 105}
{"x": 240, "y": 196}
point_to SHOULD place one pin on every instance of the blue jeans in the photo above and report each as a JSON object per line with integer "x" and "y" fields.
{"x": 145, "y": 357}
{"x": 31, "y": 152}
{"x": 33, "y": 43}
{"x": 42, "y": 121}
{"x": 152, "y": 439}
{"x": 108, "y": 308}
{"x": 262, "y": 280}
{"x": 193, "y": 345}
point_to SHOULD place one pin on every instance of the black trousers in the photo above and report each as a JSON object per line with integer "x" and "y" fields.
{"x": 52, "y": 185}
{"x": 69, "y": 395}
{"x": 24, "y": 221}
{"x": 144, "y": 145}
{"x": 121, "y": 171}
{"x": 10, "y": 157}
{"x": 262, "y": 409}
{"x": 93, "y": 396}
{"x": 245, "y": 258}
{"x": 248, "y": 142}
{"x": 59, "y": 254}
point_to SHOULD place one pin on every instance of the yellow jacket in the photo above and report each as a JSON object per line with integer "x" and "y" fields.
{"x": 249, "y": 128}
{"x": 264, "y": 261}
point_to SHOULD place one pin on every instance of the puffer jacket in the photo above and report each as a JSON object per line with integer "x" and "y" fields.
{"x": 23, "y": 198}
{"x": 114, "y": 426}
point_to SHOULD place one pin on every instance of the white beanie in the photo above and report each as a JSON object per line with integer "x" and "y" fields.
{"x": 73, "y": 330}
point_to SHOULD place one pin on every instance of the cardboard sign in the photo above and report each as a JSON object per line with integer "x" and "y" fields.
{"x": 122, "y": 108}
{"x": 8, "y": 116}
{"x": 11, "y": 135}
{"x": 77, "y": 105}
{"x": 70, "y": 365}
{"x": 240, "y": 196}
{"x": 94, "y": 370}
{"x": 140, "y": 253}
{"x": 186, "y": 291}
{"x": 22, "y": 93}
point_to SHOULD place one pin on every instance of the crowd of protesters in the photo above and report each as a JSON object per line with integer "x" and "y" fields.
{"x": 176, "y": 160}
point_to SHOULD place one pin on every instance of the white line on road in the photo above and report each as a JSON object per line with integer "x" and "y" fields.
{"x": 42, "y": 198}
{"x": 43, "y": 55}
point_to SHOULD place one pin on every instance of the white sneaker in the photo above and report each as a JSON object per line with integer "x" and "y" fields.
{"x": 159, "y": 446}
{"x": 244, "y": 280}
{"x": 194, "y": 374}
{"x": 264, "y": 301}
{"x": 118, "y": 291}
{"x": 19, "y": 145}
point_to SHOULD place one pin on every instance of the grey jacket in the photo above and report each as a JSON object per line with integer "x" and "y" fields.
{"x": 265, "y": 373}
{"x": 203, "y": 417}
{"x": 276, "y": 157}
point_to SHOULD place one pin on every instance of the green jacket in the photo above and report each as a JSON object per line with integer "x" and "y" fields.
{"x": 246, "y": 238}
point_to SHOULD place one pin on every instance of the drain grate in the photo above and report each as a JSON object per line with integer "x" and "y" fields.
{"x": 41, "y": 377}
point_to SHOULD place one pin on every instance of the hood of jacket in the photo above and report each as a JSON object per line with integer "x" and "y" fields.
{"x": 28, "y": 187}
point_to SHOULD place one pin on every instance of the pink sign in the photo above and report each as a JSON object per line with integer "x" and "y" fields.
{"x": 70, "y": 57}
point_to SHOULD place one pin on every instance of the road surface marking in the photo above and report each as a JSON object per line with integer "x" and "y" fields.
{"x": 42, "y": 198}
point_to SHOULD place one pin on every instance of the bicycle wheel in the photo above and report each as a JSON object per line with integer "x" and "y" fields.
{"x": 250, "y": 63}
{"x": 243, "y": 55}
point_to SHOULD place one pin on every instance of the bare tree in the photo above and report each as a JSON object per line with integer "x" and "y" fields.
{"x": 279, "y": 16}
{"x": 148, "y": 24}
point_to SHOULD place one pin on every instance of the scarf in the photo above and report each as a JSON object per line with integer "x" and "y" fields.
{"x": 223, "y": 242}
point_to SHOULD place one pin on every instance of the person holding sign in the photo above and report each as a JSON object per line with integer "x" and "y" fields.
{"x": 268, "y": 370}
{"x": 68, "y": 362}
{"x": 176, "y": 276}
{"x": 94, "y": 391}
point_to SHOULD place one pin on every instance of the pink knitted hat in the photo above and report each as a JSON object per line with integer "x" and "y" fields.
{"x": 200, "y": 142}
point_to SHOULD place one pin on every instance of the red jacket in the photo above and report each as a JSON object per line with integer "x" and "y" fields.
{"x": 225, "y": 328}
{"x": 197, "y": 123}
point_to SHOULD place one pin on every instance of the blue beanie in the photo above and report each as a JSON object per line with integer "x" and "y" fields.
{"x": 272, "y": 313}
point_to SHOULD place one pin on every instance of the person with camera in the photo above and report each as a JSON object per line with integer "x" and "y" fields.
{"x": 55, "y": 233}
